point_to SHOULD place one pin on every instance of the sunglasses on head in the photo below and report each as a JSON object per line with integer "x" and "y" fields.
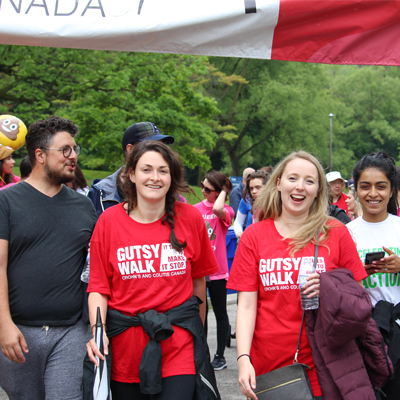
{"x": 206, "y": 189}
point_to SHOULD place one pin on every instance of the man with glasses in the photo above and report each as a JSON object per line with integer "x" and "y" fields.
{"x": 45, "y": 229}
{"x": 106, "y": 193}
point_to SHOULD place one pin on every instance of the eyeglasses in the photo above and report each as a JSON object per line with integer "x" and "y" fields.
{"x": 66, "y": 150}
{"x": 206, "y": 189}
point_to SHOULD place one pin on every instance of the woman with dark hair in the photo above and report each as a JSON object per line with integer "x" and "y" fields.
{"x": 254, "y": 184}
{"x": 375, "y": 181}
{"x": 6, "y": 167}
{"x": 149, "y": 257}
{"x": 79, "y": 183}
{"x": 218, "y": 217}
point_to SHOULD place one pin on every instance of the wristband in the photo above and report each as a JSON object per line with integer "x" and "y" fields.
{"x": 104, "y": 327}
{"x": 242, "y": 355}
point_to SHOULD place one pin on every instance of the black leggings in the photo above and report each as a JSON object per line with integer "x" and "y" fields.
{"x": 217, "y": 290}
{"x": 174, "y": 387}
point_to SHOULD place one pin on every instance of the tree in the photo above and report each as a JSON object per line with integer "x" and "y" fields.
{"x": 372, "y": 100}
{"x": 105, "y": 92}
{"x": 278, "y": 108}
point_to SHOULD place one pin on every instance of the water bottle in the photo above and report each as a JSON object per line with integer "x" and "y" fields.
{"x": 306, "y": 269}
{"x": 86, "y": 270}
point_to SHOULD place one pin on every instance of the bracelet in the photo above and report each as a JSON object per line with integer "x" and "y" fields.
{"x": 247, "y": 355}
{"x": 104, "y": 327}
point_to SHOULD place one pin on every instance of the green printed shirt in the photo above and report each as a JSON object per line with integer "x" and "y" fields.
{"x": 370, "y": 237}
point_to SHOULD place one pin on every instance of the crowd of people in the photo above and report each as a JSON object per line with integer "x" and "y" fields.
{"x": 153, "y": 259}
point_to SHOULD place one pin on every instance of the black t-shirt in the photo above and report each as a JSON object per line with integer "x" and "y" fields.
{"x": 48, "y": 238}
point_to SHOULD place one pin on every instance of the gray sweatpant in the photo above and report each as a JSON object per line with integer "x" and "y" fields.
{"x": 53, "y": 366}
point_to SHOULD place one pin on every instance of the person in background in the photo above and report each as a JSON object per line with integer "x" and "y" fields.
{"x": 237, "y": 192}
{"x": 149, "y": 259}
{"x": 337, "y": 184}
{"x": 45, "y": 229}
{"x": 255, "y": 182}
{"x": 267, "y": 169}
{"x": 334, "y": 211}
{"x": 354, "y": 206}
{"x": 375, "y": 181}
{"x": 6, "y": 166}
{"x": 25, "y": 168}
{"x": 106, "y": 192}
{"x": 398, "y": 189}
{"x": 79, "y": 183}
{"x": 292, "y": 214}
{"x": 218, "y": 218}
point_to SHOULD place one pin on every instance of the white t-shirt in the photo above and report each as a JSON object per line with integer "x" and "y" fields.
{"x": 370, "y": 237}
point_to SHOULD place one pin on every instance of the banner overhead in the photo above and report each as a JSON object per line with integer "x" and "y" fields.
{"x": 327, "y": 31}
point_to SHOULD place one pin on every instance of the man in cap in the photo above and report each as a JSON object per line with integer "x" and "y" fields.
{"x": 236, "y": 194}
{"x": 106, "y": 193}
{"x": 337, "y": 184}
{"x": 45, "y": 229}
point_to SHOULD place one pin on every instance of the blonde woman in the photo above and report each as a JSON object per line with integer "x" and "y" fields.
{"x": 353, "y": 205}
{"x": 292, "y": 208}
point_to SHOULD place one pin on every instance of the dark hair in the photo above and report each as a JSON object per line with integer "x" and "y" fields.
{"x": 40, "y": 134}
{"x": 381, "y": 161}
{"x": 177, "y": 183}
{"x": 268, "y": 169}
{"x": 218, "y": 180}
{"x": 255, "y": 175}
{"x": 25, "y": 167}
{"x": 79, "y": 181}
{"x": 8, "y": 178}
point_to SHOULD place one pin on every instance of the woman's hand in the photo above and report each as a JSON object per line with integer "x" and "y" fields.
{"x": 93, "y": 350}
{"x": 225, "y": 189}
{"x": 311, "y": 287}
{"x": 247, "y": 377}
{"x": 389, "y": 264}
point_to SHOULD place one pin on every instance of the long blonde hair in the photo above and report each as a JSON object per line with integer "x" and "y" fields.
{"x": 269, "y": 204}
{"x": 358, "y": 210}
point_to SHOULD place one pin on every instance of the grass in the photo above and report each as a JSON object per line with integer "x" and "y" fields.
{"x": 191, "y": 199}
{"x": 90, "y": 175}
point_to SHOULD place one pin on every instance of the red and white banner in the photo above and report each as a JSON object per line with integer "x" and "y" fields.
{"x": 327, "y": 31}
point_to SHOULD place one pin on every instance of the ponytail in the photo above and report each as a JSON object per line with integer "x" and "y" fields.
{"x": 169, "y": 217}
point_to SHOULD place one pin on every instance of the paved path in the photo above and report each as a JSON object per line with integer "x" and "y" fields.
{"x": 227, "y": 378}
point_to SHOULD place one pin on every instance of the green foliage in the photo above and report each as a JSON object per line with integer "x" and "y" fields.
{"x": 371, "y": 119}
{"x": 284, "y": 106}
{"x": 105, "y": 92}
{"x": 237, "y": 112}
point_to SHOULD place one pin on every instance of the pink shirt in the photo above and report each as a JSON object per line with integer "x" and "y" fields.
{"x": 217, "y": 230}
{"x": 15, "y": 180}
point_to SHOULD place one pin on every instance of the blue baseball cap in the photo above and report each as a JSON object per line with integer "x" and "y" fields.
{"x": 144, "y": 131}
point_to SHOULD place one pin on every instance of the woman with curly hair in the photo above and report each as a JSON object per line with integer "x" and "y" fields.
{"x": 149, "y": 257}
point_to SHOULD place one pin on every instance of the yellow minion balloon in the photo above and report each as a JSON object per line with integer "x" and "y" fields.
{"x": 12, "y": 131}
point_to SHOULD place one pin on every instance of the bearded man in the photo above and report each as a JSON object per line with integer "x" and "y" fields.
{"x": 45, "y": 229}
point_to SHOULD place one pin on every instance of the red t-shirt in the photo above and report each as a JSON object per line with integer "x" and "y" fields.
{"x": 136, "y": 267}
{"x": 262, "y": 263}
{"x": 341, "y": 203}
